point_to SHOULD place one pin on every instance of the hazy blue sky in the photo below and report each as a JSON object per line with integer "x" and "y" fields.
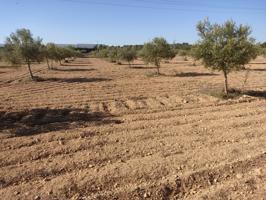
{"x": 125, "y": 21}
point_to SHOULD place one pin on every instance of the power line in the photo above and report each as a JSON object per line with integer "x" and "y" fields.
{"x": 169, "y": 3}
{"x": 201, "y": 4}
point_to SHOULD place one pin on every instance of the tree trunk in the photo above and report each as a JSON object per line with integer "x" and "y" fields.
{"x": 47, "y": 61}
{"x": 129, "y": 64}
{"x": 157, "y": 64}
{"x": 225, "y": 83}
{"x": 158, "y": 70}
{"x": 52, "y": 64}
{"x": 60, "y": 62}
{"x": 31, "y": 75}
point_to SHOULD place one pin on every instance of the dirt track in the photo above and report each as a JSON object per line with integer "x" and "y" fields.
{"x": 95, "y": 130}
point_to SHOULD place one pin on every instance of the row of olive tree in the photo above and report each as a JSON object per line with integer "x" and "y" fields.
{"x": 128, "y": 52}
{"x": 20, "y": 47}
{"x": 51, "y": 52}
{"x": 224, "y": 48}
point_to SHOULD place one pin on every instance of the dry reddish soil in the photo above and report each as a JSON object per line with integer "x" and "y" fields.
{"x": 96, "y": 130}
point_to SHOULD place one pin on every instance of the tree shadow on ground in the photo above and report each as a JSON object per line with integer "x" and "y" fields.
{"x": 258, "y": 70}
{"x": 10, "y": 67}
{"x": 75, "y": 65}
{"x": 72, "y": 80}
{"x": 73, "y": 70}
{"x": 254, "y": 93}
{"x": 132, "y": 64}
{"x": 257, "y": 63}
{"x": 142, "y": 67}
{"x": 180, "y": 62}
{"x": 191, "y": 74}
{"x": 37, "y": 121}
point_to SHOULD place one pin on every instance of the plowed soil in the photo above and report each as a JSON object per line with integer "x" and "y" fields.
{"x": 96, "y": 130}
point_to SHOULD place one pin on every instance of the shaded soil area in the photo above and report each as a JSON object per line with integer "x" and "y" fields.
{"x": 30, "y": 122}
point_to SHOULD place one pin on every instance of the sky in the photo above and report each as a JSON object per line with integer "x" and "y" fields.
{"x": 119, "y": 22}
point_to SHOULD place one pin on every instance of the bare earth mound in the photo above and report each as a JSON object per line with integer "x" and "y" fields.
{"x": 95, "y": 130}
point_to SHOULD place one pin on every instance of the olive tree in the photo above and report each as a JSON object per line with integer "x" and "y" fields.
{"x": 102, "y": 53}
{"x": 127, "y": 54}
{"x": 184, "y": 54}
{"x": 1, "y": 54}
{"x": 113, "y": 54}
{"x": 49, "y": 52}
{"x": 262, "y": 51}
{"x": 193, "y": 54}
{"x": 226, "y": 47}
{"x": 156, "y": 50}
{"x": 22, "y": 47}
{"x": 263, "y": 45}
{"x": 12, "y": 55}
{"x": 60, "y": 54}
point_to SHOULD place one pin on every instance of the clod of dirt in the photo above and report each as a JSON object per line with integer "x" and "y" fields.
{"x": 37, "y": 198}
{"x": 61, "y": 142}
{"x": 185, "y": 101}
{"x": 166, "y": 191}
{"x": 147, "y": 195}
{"x": 239, "y": 176}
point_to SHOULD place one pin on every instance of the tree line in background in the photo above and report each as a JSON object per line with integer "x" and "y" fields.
{"x": 129, "y": 53}
{"x": 222, "y": 47}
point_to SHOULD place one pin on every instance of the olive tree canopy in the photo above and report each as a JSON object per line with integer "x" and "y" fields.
{"x": 156, "y": 50}
{"x": 21, "y": 47}
{"x": 127, "y": 54}
{"x": 226, "y": 47}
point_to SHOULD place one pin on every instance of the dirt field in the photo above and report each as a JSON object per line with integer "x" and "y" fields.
{"x": 96, "y": 130}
